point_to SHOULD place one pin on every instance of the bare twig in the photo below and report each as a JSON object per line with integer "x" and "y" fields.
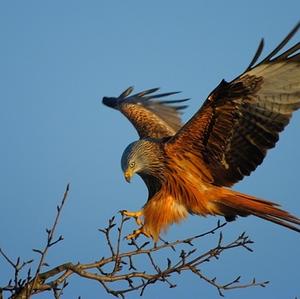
{"x": 180, "y": 256}
{"x": 140, "y": 280}
{"x": 30, "y": 287}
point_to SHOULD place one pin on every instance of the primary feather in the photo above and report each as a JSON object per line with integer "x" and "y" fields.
{"x": 151, "y": 117}
{"x": 242, "y": 119}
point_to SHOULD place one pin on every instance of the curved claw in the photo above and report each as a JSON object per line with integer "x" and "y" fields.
{"x": 137, "y": 233}
{"x": 136, "y": 215}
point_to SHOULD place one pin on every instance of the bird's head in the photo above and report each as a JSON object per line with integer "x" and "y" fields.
{"x": 141, "y": 157}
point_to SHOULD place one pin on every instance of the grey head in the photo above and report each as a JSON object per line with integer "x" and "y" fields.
{"x": 142, "y": 157}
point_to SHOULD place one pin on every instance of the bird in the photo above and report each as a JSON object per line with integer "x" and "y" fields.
{"x": 190, "y": 168}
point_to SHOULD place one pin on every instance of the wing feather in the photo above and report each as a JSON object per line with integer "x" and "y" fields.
{"x": 151, "y": 118}
{"x": 241, "y": 120}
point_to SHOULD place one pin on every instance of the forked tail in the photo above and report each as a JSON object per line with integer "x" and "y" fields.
{"x": 233, "y": 204}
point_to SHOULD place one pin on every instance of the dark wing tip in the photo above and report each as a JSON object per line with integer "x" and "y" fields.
{"x": 126, "y": 92}
{"x": 174, "y": 101}
{"x": 146, "y": 92}
{"x": 256, "y": 55}
{"x": 181, "y": 107}
{"x": 110, "y": 102}
{"x": 165, "y": 94}
{"x": 273, "y": 54}
{"x": 144, "y": 98}
{"x": 114, "y": 102}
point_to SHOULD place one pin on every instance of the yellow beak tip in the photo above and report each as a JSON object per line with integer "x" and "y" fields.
{"x": 127, "y": 176}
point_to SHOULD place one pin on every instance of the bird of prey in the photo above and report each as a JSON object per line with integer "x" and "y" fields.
{"x": 189, "y": 168}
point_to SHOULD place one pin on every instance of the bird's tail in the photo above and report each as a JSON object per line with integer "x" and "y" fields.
{"x": 233, "y": 204}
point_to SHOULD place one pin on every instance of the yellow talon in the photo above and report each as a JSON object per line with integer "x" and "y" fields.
{"x": 136, "y": 234}
{"x": 136, "y": 215}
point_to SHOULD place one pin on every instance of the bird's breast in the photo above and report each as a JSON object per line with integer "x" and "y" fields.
{"x": 185, "y": 170}
{"x": 187, "y": 165}
{"x": 188, "y": 185}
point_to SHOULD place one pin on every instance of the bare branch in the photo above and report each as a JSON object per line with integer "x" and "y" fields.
{"x": 122, "y": 271}
{"x": 29, "y": 288}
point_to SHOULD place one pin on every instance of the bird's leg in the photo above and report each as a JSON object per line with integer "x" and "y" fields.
{"x": 136, "y": 215}
{"x": 138, "y": 232}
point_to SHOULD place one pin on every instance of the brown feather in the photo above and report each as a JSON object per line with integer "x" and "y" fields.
{"x": 185, "y": 191}
{"x": 150, "y": 117}
{"x": 242, "y": 119}
{"x": 223, "y": 142}
{"x": 231, "y": 203}
{"x": 226, "y": 140}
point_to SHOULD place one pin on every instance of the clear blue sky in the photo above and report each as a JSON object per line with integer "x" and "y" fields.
{"x": 59, "y": 58}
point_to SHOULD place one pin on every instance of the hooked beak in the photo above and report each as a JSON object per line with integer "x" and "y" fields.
{"x": 128, "y": 174}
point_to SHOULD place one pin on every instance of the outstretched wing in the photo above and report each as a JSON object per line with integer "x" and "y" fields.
{"x": 241, "y": 120}
{"x": 151, "y": 118}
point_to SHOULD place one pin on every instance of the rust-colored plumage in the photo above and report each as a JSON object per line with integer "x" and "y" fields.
{"x": 189, "y": 168}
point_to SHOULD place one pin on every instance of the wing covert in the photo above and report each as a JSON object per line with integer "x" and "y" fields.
{"x": 150, "y": 117}
{"x": 241, "y": 120}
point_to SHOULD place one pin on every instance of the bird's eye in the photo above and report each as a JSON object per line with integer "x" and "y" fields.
{"x": 132, "y": 164}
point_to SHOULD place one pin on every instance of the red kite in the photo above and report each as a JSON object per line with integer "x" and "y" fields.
{"x": 189, "y": 168}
